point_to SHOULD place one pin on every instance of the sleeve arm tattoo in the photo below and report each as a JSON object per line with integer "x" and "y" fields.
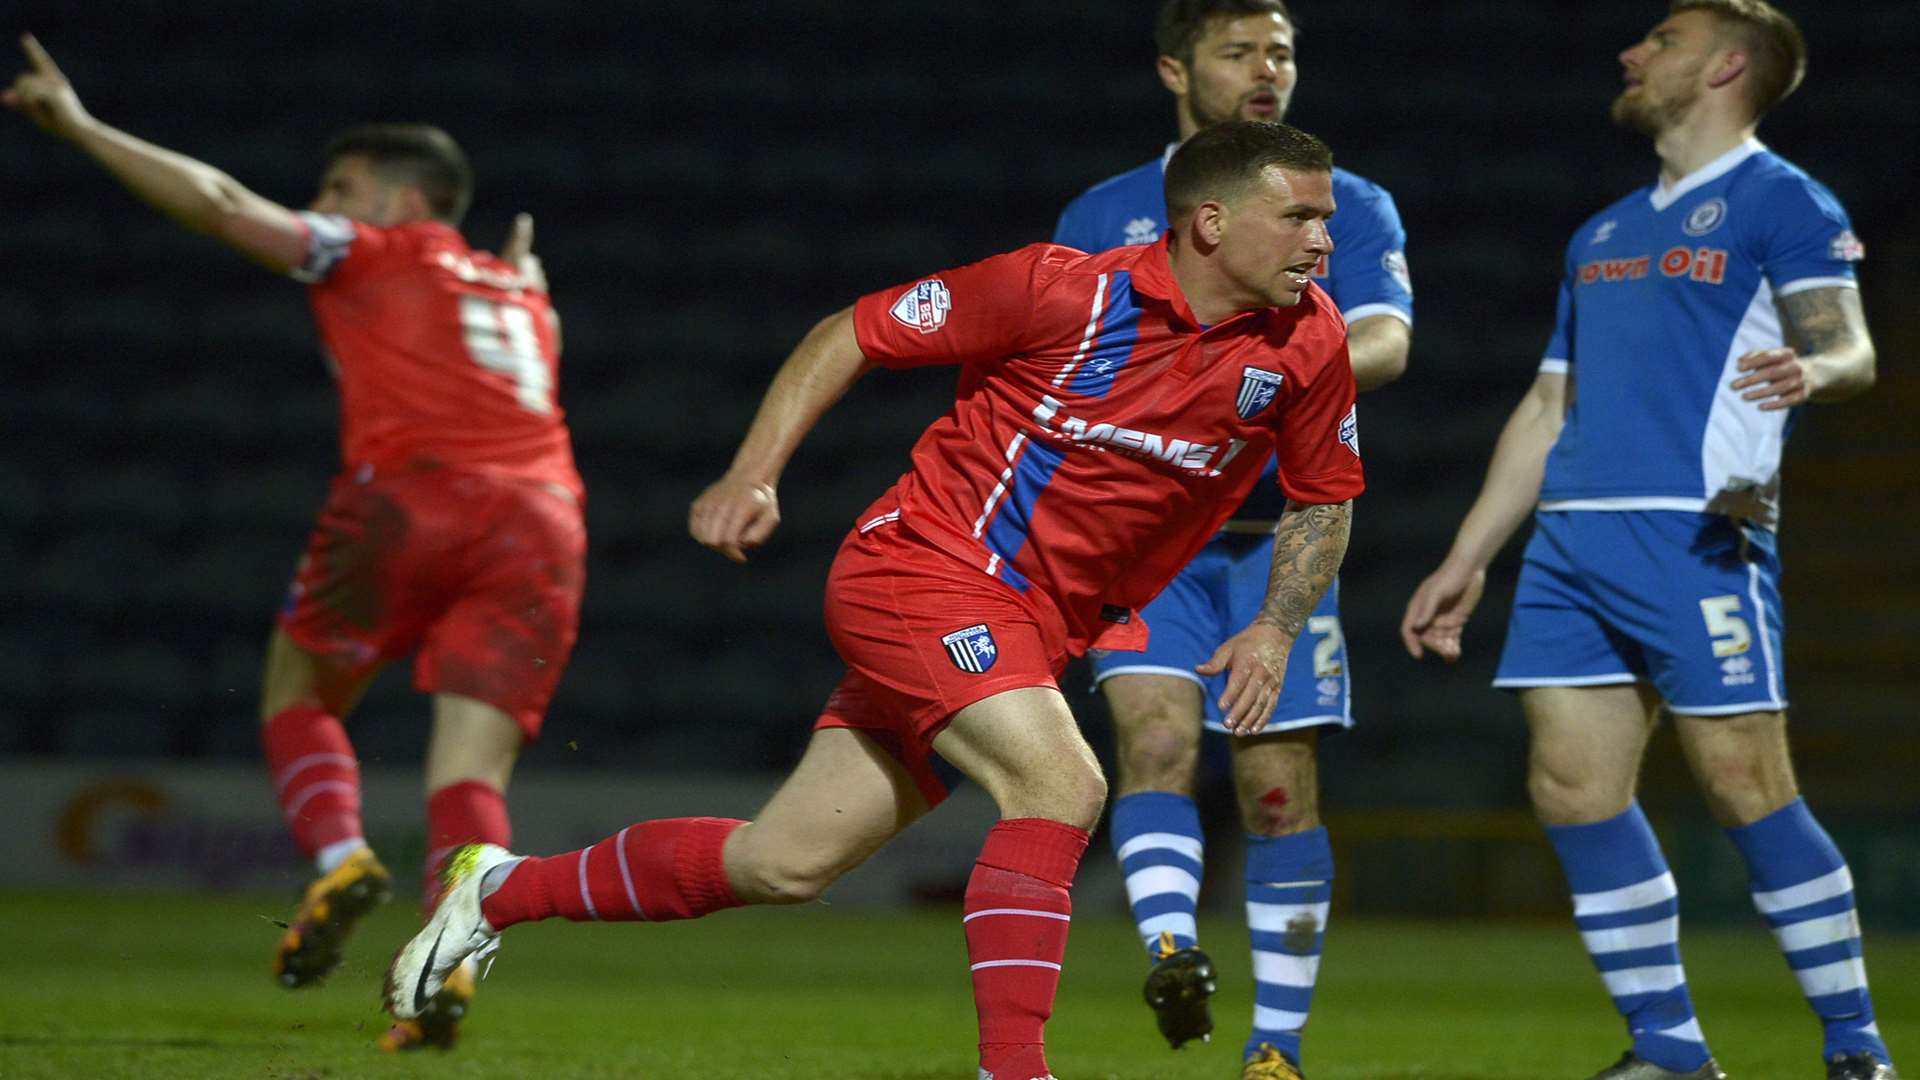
{"x": 1307, "y": 549}
{"x": 1823, "y": 320}
{"x": 1828, "y": 329}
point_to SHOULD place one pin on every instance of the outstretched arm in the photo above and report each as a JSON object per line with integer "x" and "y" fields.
{"x": 741, "y": 509}
{"x": 193, "y": 193}
{"x": 1441, "y": 605}
{"x": 1308, "y": 545}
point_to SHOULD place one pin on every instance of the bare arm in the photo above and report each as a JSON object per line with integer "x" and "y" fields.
{"x": 1308, "y": 546}
{"x": 1440, "y": 607}
{"x": 193, "y": 193}
{"x": 740, "y": 510}
{"x": 1830, "y": 357}
{"x": 1377, "y": 347}
{"x": 1512, "y": 487}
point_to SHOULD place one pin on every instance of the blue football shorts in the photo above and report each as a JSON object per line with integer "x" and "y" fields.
{"x": 1689, "y": 602}
{"x": 1216, "y": 597}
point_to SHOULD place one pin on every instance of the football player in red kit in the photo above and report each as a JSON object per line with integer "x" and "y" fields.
{"x": 1112, "y": 411}
{"x": 453, "y": 531}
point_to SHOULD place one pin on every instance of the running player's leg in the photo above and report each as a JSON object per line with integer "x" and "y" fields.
{"x": 1584, "y": 754}
{"x": 841, "y": 803}
{"x": 347, "y": 613}
{"x": 845, "y": 799}
{"x": 470, "y": 756}
{"x": 497, "y": 647}
{"x": 500, "y": 567}
{"x": 316, "y": 779}
{"x": 316, "y": 776}
{"x": 1025, "y": 749}
{"x": 1800, "y": 881}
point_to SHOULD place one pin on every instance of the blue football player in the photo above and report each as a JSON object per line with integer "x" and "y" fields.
{"x": 1227, "y": 60}
{"x": 1696, "y": 316}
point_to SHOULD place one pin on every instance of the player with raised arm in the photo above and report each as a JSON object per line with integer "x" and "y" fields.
{"x": 1695, "y": 317}
{"x": 1224, "y": 60}
{"x": 1112, "y": 410}
{"x": 454, "y": 530}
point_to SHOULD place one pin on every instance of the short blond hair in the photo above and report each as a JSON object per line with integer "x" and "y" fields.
{"x": 1776, "y": 53}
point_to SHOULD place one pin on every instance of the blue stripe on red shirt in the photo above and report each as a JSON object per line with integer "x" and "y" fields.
{"x": 1008, "y": 533}
{"x": 1112, "y": 344}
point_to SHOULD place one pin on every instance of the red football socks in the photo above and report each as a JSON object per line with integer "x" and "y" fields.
{"x": 1017, "y": 913}
{"x": 468, "y": 812}
{"x": 315, "y": 776}
{"x": 655, "y": 871}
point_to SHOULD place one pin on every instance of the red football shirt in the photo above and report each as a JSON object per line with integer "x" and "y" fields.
{"x": 442, "y": 353}
{"x": 1100, "y": 435}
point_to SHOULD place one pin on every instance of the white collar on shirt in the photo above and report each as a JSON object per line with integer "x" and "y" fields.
{"x": 1663, "y": 196}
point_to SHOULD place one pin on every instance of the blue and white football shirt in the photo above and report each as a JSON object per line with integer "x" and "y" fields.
{"x": 1665, "y": 290}
{"x": 1366, "y": 274}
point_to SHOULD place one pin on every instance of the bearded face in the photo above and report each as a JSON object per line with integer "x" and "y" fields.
{"x": 1651, "y": 108}
{"x": 1663, "y": 73}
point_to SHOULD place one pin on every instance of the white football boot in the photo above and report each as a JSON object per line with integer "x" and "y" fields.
{"x": 455, "y": 932}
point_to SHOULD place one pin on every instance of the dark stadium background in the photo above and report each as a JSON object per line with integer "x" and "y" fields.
{"x": 710, "y": 179}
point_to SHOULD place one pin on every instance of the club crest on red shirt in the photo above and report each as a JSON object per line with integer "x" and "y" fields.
{"x": 1257, "y": 389}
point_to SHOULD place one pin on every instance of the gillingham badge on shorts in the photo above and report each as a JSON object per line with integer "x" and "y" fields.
{"x": 972, "y": 649}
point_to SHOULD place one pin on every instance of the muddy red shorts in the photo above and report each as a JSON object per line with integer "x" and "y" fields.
{"x": 924, "y": 636}
{"x": 478, "y": 576}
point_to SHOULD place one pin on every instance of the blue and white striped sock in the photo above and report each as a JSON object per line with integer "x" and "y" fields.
{"x": 1289, "y": 885}
{"x": 1802, "y": 886}
{"x": 1628, "y": 911}
{"x": 1156, "y": 837}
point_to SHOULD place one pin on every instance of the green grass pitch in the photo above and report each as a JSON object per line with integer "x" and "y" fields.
{"x": 122, "y": 986}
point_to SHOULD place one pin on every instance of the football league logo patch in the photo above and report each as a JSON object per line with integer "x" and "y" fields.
{"x": 1257, "y": 388}
{"x": 1705, "y": 218}
{"x": 1847, "y": 247}
{"x": 972, "y": 649}
{"x": 1395, "y": 264}
{"x": 1350, "y": 430}
{"x": 924, "y": 307}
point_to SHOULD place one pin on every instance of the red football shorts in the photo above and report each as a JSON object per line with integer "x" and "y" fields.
{"x": 924, "y": 636}
{"x": 479, "y": 577}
